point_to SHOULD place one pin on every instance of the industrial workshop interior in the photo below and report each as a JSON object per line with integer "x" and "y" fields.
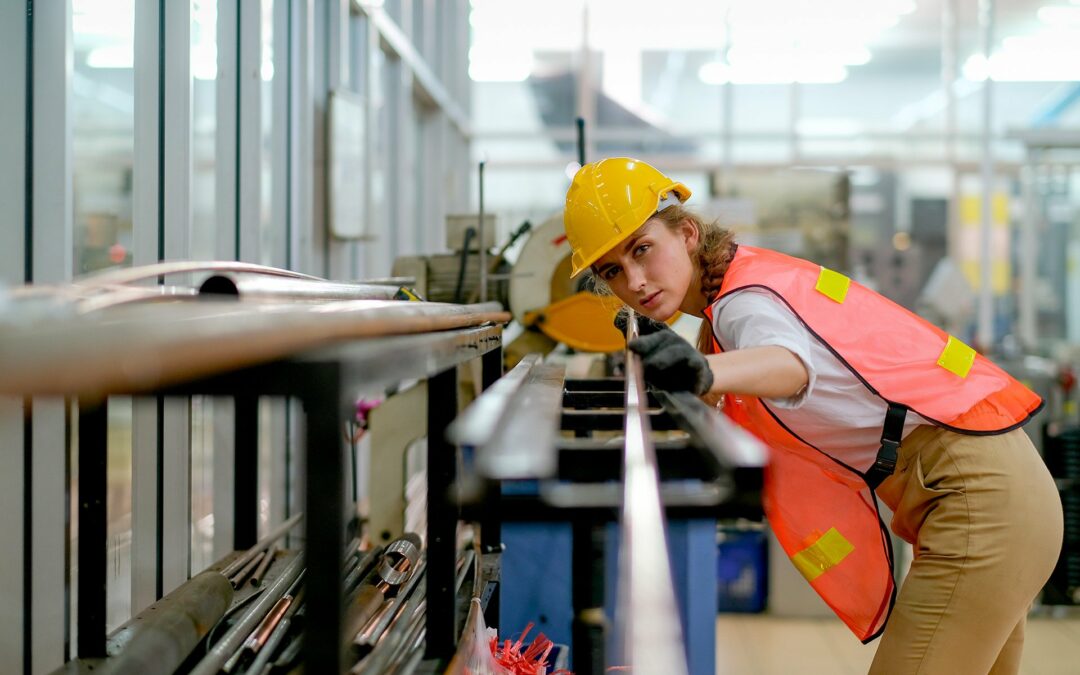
{"x": 560, "y": 337}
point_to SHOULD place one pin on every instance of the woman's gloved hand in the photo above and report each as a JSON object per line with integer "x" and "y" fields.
{"x": 671, "y": 363}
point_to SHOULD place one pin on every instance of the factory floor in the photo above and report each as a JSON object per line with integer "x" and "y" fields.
{"x": 767, "y": 645}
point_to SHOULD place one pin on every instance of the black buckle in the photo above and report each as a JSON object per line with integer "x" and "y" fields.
{"x": 884, "y": 464}
{"x": 891, "y": 432}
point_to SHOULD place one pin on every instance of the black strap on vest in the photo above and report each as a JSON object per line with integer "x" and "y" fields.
{"x": 891, "y": 433}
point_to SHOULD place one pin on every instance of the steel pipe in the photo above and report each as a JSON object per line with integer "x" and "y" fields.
{"x": 139, "y": 348}
{"x": 262, "y": 287}
{"x": 165, "y": 635}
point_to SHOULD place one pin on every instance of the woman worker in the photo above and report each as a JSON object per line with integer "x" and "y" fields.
{"x": 855, "y": 397}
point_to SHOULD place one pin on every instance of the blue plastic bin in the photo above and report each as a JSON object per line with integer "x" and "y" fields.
{"x": 741, "y": 572}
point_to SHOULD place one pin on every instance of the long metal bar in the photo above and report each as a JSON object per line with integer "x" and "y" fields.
{"x": 513, "y": 425}
{"x": 481, "y": 241}
{"x": 479, "y": 422}
{"x": 165, "y": 634}
{"x": 730, "y": 446}
{"x": 142, "y": 348}
{"x": 93, "y": 431}
{"x": 649, "y": 632}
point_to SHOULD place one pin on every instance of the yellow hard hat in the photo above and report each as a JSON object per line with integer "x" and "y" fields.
{"x": 608, "y": 201}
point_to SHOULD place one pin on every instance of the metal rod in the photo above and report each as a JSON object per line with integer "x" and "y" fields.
{"x": 275, "y": 534}
{"x": 260, "y": 571}
{"x": 481, "y": 241}
{"x": 649, "y": 631}
{"x": 580, "y": 140}
{"x": 238, "y": 579}
{"x": 262, "y": 659}
{"x": 370, "y": 633}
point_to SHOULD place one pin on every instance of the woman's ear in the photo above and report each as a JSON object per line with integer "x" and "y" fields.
{"x": 691, "y": 234}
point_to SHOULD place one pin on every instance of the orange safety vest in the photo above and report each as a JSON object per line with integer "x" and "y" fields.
{"x": 821, "y": 509}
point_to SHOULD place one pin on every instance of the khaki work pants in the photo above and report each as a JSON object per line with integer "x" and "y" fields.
{"x": 985, "y": 520}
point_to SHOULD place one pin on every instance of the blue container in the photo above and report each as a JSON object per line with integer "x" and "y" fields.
{"x": 741, "y": 572}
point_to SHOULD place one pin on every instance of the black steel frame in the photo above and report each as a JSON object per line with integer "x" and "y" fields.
{"x": 324, "y": 382}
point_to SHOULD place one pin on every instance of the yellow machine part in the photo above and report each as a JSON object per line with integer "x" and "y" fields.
{"x": 583, "y": 321}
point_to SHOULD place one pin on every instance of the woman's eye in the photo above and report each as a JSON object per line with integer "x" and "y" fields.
{"x": 641, "y": 249}
{"x": 610, "y": 273}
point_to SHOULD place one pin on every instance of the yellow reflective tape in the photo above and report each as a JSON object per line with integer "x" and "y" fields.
{"x": 832, "y": 284}
{"x": 823, "y": 554}
{"x": 957, "y": 357}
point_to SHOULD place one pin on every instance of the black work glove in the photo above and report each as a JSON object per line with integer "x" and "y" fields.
{"x": 671, "y": 363}
{"x": 646, "y": 326}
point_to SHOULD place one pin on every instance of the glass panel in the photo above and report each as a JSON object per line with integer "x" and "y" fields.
{"x": 202, "y": 483}
{"x": 204, "y": 129}
{"x": 104, "y": 132}
{"x": 118, "y": 510}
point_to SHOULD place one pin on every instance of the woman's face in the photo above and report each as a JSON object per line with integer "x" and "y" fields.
{"x": 652, "y": 270}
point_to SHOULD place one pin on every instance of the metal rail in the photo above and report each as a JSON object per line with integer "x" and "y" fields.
{"x": 514, "y": 424}
{"x": 649, "y": 632}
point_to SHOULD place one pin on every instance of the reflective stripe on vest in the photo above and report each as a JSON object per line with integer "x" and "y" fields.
{"x": 821, "y": 509}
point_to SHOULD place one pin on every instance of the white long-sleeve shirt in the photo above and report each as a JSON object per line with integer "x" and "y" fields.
{"x": 835, "y": 412}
